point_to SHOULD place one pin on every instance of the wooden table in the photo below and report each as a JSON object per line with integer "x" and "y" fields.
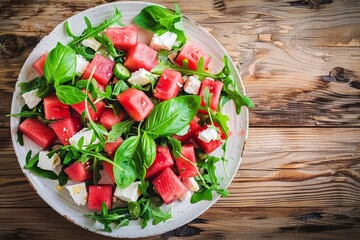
{"x": 300, "y": 174}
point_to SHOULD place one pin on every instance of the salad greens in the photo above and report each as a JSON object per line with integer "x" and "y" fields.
{"x": 138, "y": 150}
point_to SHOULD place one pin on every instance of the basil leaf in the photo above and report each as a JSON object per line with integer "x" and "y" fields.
{"x": 44, "y": 90}
{"x": 69, "y": 94}
{"x": 119, "y": 129}
{"x": 127, "y": 173}
{"x": 148, "y": 149}
{"x": 32, "y": 161}
{"x": 63, "y": 178}
{"x": 60, "y": 65}
{"x": 119, "y": 87}
{"x": 207, "y": 97}
{"x": 171, "y": 116}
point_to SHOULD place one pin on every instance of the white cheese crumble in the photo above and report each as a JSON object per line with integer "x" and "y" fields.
{"x": 87, "y": 135}
{"x": 128, "y": 194}
{"x": 194, "y": 185}
{"x": 47, "y": 163}
{"x": 78, "y": 193}
{"x": 31, "y": 100}
{"x": 192, "y": 85}
{"x": 165, "y": 41}
{"x": 92, "y": 43}
{"x": 81, "y": 65}
{"x": 140, "y": 77}
{"x": 186, "y": 197}
{"x": 209, "y": 134}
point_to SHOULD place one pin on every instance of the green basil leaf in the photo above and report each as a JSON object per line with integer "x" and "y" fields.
{"x": 60, "y": 65}
{"x": 31, "y": 163}
{"x": 119, "y": 129}
{"x": 43, "y": 173}
{"x": 148, "y": 149}
{"x": 171, "y": 116}
{"x": 128, "y": 172}
{"x": 45, "y": 90}
{"x": 134, "y": 209}
{"x": 63, "y": 178}
{"x": 69, "y": 94}
{"x": 207, "y": 97}
{"x": 119, "y": 87}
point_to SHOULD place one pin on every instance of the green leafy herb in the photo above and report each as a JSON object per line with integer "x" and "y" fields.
{"x": 105, "y": 41}
{"x": 60, "y": 65}
{"x": 128, "y": 171}
{"x": 202, "y": 194}
{"x": 63, "y": 178}
{"x": 32, "y": 85}
{"x": 69, "y": 95}
{"x": 148, "y": 149}
{"x": 160, "y": 20}
{"x": 175, "y": 145}
{"x": 119, "y": 87}
{"x": 171, "y": 116}
{"x": 91, "y": 31}
{"x": 119, "y": 129}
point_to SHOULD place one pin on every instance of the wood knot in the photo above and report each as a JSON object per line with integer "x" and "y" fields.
{"x": 309, "y": 3}
{"x": 342, "y": 75}
{"x": 219, "y": 5}
{"x": 11, "y": 45}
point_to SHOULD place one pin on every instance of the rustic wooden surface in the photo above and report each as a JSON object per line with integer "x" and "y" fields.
{"x": 300, "y": 174}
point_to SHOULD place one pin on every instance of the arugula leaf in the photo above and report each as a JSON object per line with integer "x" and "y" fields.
{"x": 119, "y": 87}
{"x": 91, "y": 31}
{"x": 31, "y": 161}
{"x": 202, "y": 194}
{"x": 69, "y": 95}
{"x": 128, "y": 171}
{"x": 148, "y": 149}
{"x": 60, "y": 65}
{"x": 32, "y": 85}
{"x": 239, "y": 99}
{"x": 171, "y": 116}
{"x": 105, "y": 41}
{"x": 84, "y": 51}
{"x": 32, "y": 167}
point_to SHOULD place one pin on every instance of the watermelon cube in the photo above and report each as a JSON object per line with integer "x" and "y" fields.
{"x": 66, "y": 128}
{"x": 99, "y": 194}
{"x": 141, "y": 56}
{"x": 40, "y": 63}
{"x": 162, "y": 160}
{"x": 54, "y": 109}
{"x": 108, "y": 118}
{"x": 123, "y": 38}
{"x": 136, "y": 103}
{"x": 192, "y": 53}
{"x": 109, "y": 170}
{"x": 169, "y": 187}
{"x": 208, "y": 146}
{"x": 38, "y": 132}
{"x": 215, "y": 90}
{"x": 111, "y": 147}
{"x": 186, "y": 163}
{"x": 94, "y": 115}
{"x": 77, "y": 171}
{"x": 168, "y": 85}
{"x": 103, "y": 71}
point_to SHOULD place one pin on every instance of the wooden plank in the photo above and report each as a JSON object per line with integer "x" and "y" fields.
{"x": 274, "y": 46}
{"x": 280, "y": 167}
{"x": 251, "y": 223}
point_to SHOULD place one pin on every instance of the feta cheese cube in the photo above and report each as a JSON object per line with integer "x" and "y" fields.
{"x": 47, "y": 163}
{"x": 78, "y": 193}
{"x": 192, "y": 85}
{"x": 81, "y": 65}
{"x": 209, "y": 134}
{"x": 85, "y": 133}
{"x": 184, "y": 131}
{"x": 186, "y": 197}
{"x": 140, "y": 77}
{"x": 194, "y": 185}
{"x": 165, "y": 41}
{"x": 91, "y": 43}
{"x": 128, "y": 194}
{"x": 31, "y": 100}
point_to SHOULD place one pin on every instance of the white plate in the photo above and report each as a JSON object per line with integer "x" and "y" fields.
{"x": 183, "y": 212}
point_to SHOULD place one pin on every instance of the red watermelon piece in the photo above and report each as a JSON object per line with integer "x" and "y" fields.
{"x": 123, "y": 38}
{"x": 103, "y": 71}
{"x": 162, "y": 161}
{"x": 40, "y": 63}
{"x": 168, "y": 185}
{"x": 168, "y": 85}
{"x": 192, "y": 53}
{"x": 141, "y": 56}
{"x": 108, "y": 118}
{"x": 77, "y": 172}
{"x": 38, "y": 132}
{"x": 66, "y": 128}
{"x": 98, "y": 194}
{"x": 186, "y": 164}
{"x": 54, "y": 109}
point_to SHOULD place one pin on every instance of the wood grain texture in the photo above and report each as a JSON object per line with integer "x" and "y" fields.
{"x": 300, "y": 173}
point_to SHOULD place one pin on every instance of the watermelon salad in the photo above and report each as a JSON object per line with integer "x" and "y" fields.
{"x": 127, "y": 126}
